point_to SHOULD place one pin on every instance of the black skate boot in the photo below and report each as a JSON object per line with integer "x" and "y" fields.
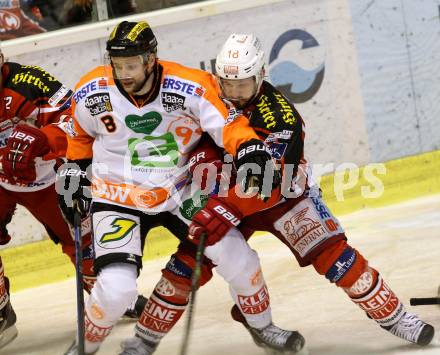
{"x": 8, "y": 330}
{"x": 273, "y": 339}
{"x": 137, "y": 346}
{"x": 411, "y": 328}
{"x": 135, "y": 309}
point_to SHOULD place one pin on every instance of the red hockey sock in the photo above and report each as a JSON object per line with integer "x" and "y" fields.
{"x": 164, "y": 308}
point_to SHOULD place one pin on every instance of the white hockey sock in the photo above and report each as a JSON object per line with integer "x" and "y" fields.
{"x": 240, "y": 266}
{"x": 114, "y": 290}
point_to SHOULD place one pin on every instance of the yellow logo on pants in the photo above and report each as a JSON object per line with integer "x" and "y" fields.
{"x": 122, "y": 227}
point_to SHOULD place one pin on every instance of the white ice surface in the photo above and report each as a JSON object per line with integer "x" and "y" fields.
{"x": 401, "y": 241}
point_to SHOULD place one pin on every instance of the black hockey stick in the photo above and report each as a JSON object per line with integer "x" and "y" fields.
{"x": 79, "y": 282}
{"x": 424, "y": 301}
{"x": 194, "y": 286}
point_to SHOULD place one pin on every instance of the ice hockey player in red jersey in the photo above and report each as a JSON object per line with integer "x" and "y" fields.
{"x": 300, "y": 218}
{"x": 34, "y": 111}
{"x": 34, "y": 114}
{"x": 294, "y": 212}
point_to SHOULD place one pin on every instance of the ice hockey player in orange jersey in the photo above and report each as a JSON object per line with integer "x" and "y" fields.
{"x": 34, "y": 116}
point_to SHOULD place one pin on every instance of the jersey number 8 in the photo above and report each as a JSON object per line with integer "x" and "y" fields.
{"x": 109, "y": 123}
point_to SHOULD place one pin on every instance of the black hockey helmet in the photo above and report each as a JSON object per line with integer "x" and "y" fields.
{"x": 130, "y": 39}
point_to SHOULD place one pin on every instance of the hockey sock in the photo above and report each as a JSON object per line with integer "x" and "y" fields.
{"x": 164, "y": 308}
{"x": 347, "y": 268}
{"x": 113, "y": 292}
{"x": 379, "y": 302}
{"x": 240, "y": 266}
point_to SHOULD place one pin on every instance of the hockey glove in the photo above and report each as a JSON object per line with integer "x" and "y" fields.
{"x": 73, "y": 187}
{"x": 24, "y": 145}
{"x": 254, "y": 155}
{"x": 215, "y": 219}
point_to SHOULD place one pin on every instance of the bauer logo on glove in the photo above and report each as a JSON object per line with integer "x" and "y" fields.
{"x": 24, "y": 145}
{"x": 215, "y": 219}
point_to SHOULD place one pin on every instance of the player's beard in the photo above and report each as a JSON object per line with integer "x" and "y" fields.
{"x": 145, "y": 86}
{"x": 240, "y": 103}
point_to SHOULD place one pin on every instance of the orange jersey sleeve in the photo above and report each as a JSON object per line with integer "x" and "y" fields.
{"x": 215, "y": 118}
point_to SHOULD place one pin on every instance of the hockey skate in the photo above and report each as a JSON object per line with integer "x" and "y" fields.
{"x": 273, "y": 339}
{"x": 8, "y": 330}
{"x": 412, "y": 329}
{"x": 135, "y": 310}
{"x": 137, "y": 346}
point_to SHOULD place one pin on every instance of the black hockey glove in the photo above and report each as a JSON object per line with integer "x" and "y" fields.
{"x": 73, "y": 187}
{"x": 256, "y": 168}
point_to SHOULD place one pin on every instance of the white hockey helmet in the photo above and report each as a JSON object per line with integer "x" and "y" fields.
{"x": 241, "y": 57}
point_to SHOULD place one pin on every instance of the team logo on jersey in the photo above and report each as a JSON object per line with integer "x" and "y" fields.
{"x": 172, "y": 102}
{"x": 98, "y": 103}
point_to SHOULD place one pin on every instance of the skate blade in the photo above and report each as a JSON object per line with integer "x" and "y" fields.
{"x": 303, "y": 351}
{"x": 8, "y": 335}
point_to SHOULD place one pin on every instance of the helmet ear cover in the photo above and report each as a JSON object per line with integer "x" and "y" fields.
{"x": 130, "y": 39}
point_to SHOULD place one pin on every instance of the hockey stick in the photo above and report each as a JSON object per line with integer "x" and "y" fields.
{"x": 425, "y": 301}
{"x": 79, "y": 282}
{"x": 194, "y": 286}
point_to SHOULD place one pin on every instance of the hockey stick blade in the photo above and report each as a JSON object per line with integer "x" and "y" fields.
{"x": 79, "y": 283}
{"x": 424, "y": 301}
{"x": 194, "y": 286}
